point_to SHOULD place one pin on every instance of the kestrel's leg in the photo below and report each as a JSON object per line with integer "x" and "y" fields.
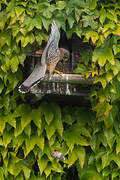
{"x": 52, "y": 69}
{"x": 58, "y": 72}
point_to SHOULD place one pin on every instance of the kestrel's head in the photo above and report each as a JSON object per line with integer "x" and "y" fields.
{"x": 64, "y": 54}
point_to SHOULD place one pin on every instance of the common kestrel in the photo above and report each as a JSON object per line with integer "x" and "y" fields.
{"x": 50, "y": 57}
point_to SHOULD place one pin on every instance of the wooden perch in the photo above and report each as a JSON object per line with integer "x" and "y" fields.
{"x": 60, "y": 88}
{"x": 67, "y": 78}
{"x": 34, "y": 54}
{"x": 66, "y": 84}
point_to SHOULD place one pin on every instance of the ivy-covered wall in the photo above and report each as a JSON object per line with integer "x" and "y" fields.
{"x": 29, "y": 133}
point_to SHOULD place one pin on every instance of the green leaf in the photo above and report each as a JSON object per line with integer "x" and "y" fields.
{"x": 118, "y": 76}
{"x": 2, "y": 124}
{"x": 110, "y": 136}
{"x": 50, "y": 130}
{"x": 113, "y": 89}
{"x": 109, "y": 76}
{"x": 11, "y": 120}
{"x": 5, "y": 38}
{"x": 3, "y": 19}
{"x": 42, "y": 163}
{"x": 105, "y": 160}
{"x": 115, "y": 174}
{"x": 71, "y": 21}
{"x": 26, "y": 171}
{"x": 78, "y": 30}
{"x": 1, "y": 142}
{"x": 57, "y": 121}
{"x": 6, "y": 138}
{"x": 71, "y": 158}
{"x": 106, "y": 172}
{"x": 77, "y": 13}
{"x": 27, "y": 130}
{"x": 29, "y": 38}
{"x": 24, "y": 110}
{"x": 46, "y": 23}
{"x": 37, "y": 21}
{"x": 93, "y": 35}
{"x": 57, "y": 167}
{"x": 18, "y": 130}
{"x": 57, "y": 177}
{"x": 48, "y": 114}
{"x": 118, "y": 144}
{"x": 73, "y": 136}
{"x": 60, "y": 20}
{"x": 48, "y": 169}
{"x": 93, "y": 4}
{"x": 20, "y": 177}
{"x": 90, "y": 173}
{"x": 102, "y": 80}
{"x": 1, "y": 173}
{"x": 22, "y": 58}
{"x": 41, "y": 142}
{"x": 98, "y": 166}
{"x": 14, "y": 62}
{"x": 12, "y": 167}
{"x": 19, "y": 141}
{"x": 36, "y": 117}
{"x": 4, "y": 153}
{"x": 30, "y": 143}
{"x": 103, "y": 15}
{"x": 89, "y": 21}
{"x": 116, "y": 48}
{"x": 19, "y": 10}
{"x": 6, "y": 101}
{"x": 15, "y": 30}
{"x": 81, "y": 68}
{"x": 52, "y": 140}
{"x": 91, "y": 159}
{"x": 32, "y": 176}
{"x": 47, "y": 14}
{"x": 116, "y": 158}
{"x": 67, "y": 118}
{"x": 102, "y": 55}
{"x": 95, "y": 143}
{"x": 117, "y": 31}
{"x": 81, "y": 154}
{"x": 69, "y": 10}
{"x": 25, "y": 120}
{"x": 60, "y": 5}
{"x": 29, "y": 22}
{"x": 109, "y": 120}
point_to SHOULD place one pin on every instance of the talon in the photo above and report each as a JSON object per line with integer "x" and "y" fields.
{"x": 58, "y": 72}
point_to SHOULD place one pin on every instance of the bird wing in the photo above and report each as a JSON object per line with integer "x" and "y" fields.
{"x": 50, "y": 51}
{"x": 52, "y": 45}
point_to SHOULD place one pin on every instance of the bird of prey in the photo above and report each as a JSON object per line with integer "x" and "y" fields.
{"x": 50, "y": 57}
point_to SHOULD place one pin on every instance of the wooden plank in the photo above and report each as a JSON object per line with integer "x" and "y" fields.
{"x": 67, "y": 78}
{"x": 44, "y": 88}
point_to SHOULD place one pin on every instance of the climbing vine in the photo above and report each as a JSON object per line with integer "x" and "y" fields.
{"x": 88, "y": 136}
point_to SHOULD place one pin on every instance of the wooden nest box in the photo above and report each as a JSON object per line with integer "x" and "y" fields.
{"x": 67, "y": 84}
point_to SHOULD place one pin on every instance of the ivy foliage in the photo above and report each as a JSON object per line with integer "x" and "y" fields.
{"x": 28, "y": 134}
